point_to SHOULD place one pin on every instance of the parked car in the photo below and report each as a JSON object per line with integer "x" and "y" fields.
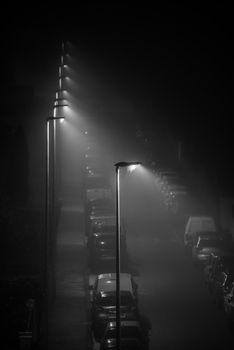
{"x": 97, "y": 221}
{"x": 107, "y": 282}
{"x": 102, "y": 250}
{"x": 176, "y": 189}
{"x": 98, "y": 230}
{"x": 229, "y": 305}
{"x": 221, "y": 262}
{"x": 204, "y": 247}
{"x": 160, "y": 172}
{"x": 167, "y": 180}
{"x": 104, "y": 300}
{"x": 209, "y": 235}
{"x": 197, "y": 224}
{"x": 96, "y": 206}
{"x": 173, "y": 193}
{"x": 133, "y": 336}
{"x": 210, "y": 266}
{"x": 222, "y": 287}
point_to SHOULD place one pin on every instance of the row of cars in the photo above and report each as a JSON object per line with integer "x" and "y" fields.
{"x": 101, "y": 246}
{"x": 214, "y": 253}
{"x": 135, "y": 329}
{"x": 100, "y": 231}
{"x": 172, "y": 187}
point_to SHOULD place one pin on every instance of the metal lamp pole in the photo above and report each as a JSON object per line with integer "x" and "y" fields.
{"x": 50, "y": 191}
{"x": 47, "y": 218}
{"x": 118, "y": 238}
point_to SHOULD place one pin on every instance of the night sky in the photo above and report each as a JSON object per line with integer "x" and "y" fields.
{"x": 171, "y": 62}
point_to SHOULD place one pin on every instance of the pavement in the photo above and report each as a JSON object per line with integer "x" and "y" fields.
{"x": 68, "y": 318}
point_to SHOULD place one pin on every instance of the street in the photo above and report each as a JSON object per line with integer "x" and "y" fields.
{"x": 117, "y": 152}
{"x": 172, "y": 294}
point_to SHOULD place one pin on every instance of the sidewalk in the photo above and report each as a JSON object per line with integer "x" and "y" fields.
{"x": 68, "y": 315}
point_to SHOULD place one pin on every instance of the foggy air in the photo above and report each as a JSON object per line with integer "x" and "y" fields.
{"x": 116, "y": 184}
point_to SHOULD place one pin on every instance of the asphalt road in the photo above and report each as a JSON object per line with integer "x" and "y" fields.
{"x": 172, "y": 293}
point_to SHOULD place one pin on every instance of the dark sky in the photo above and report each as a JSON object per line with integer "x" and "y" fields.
{"x": 172, "y": 61}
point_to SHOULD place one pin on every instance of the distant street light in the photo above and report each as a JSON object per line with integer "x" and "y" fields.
{"x": 132, "y": 166}
{"x": 60, "y": 102}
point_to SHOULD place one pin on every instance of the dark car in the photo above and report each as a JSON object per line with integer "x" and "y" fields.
{"x": 204, "y": 247}
{"x": 95, "y": 208}
{"x": 229, "y": 305}
{"x": 102, "y": 250}
{"x": 104, "y": 309}
{"x": 221, "y": 263}
{"x": 210, "y": 266}
{"x": 221, "y": 287}
{"x": 133, "y": 336}
{"x": 98, "y": 230}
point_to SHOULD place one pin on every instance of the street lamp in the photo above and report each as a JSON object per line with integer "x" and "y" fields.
{"x": 60, "y": 102}
{"x": 131, "y": 166}
{"x": 47, "y": 212}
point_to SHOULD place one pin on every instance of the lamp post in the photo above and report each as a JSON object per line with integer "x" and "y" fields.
{"x": 131, "y": 166}
{"x": 59, "y": 104}
{"x": 47, "y": 215}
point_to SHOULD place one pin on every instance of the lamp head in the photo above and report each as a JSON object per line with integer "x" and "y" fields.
{"x": 127, "y": 164}
{"x": 61, "y": 119}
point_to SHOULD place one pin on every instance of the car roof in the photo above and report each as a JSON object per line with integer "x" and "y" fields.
{"x": 107, "y": 282}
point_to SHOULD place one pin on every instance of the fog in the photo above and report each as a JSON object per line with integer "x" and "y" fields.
{"x": 139, "y": 84}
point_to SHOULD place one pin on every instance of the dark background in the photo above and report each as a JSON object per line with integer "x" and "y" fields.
{"x": 171, "y": 62}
